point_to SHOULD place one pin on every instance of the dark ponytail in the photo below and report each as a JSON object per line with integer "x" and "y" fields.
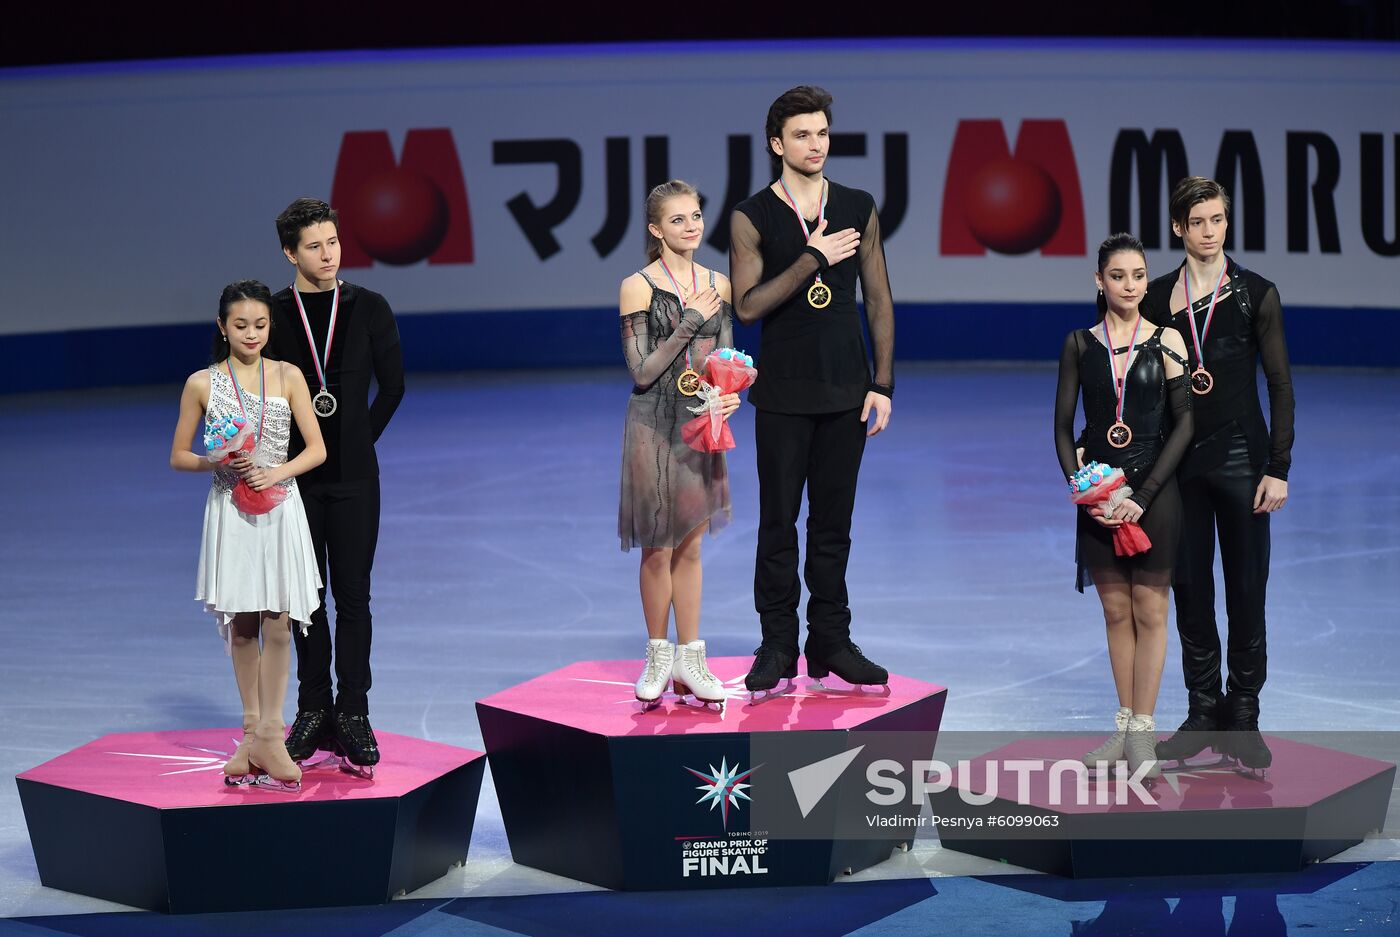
{"x": 234, "y": 293}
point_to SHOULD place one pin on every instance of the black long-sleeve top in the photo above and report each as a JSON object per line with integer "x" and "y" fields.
{"x": 1234, "y": 348}
{"x": 365, "y": 346}
{"x": 812, "y": 360}
{"x": 1159, "y": 440}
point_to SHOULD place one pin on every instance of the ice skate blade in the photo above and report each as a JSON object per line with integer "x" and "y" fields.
{"x": 239, "y": 780}
{"x": 1181, "y": 765}
{"x": 856, "y": 689}
{"x": 326, "y": 760}
{"x": 267, "y": 782}
{"x": 691, "y": 700}
{"x": 363, "y": 772}
{"x": 1243, "y": 770}
{"x": 763, "y": 696}
{"x": 647, "y": 705}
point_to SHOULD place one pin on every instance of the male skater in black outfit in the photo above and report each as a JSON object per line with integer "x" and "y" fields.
{"x": 1233, "y": 477}
{"x": 339, "y": 334}
{"x": 797, "y": 250}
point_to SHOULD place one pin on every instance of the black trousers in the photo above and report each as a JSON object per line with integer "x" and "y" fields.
{"x": 1222, "y": 501}
{"x": 822, "y": 453}
{"x": 344, "y": 522}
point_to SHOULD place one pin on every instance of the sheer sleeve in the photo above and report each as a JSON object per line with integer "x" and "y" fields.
{"x": 726, "y": 330}
{"x": 879, "y": 304}
{"x": 754, "y": 300}
{"x": 1273, "y": 352}
{"x": 647, "y": 358}
{"x": 1179, "y": 399}
{"x": 1066, "y": 401}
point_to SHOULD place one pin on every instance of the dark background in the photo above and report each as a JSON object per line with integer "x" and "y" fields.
{"x": 85, "y": 32}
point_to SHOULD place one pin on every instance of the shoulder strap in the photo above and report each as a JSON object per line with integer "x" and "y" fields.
{"x": 1239, "y": 284}
{"x": 1174, "y": 356}
{"x": 650, "y": 281}
{"x": 712, "y": 279}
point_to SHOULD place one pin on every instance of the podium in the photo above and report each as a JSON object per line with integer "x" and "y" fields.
{"x": 1202, "y": 819}
{"x": 145, "y": 819}
{"x": 683, "y": 797}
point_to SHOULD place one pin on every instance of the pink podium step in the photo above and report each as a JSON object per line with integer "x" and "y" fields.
{"x": 594, "y": 788}
{"x": 145, "y": 819}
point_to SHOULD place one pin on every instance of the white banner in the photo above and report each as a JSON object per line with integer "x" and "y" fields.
{"x": 488, "y": 180}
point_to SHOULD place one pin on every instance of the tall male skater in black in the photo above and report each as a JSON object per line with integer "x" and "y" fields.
{"x": 339, "y": 334}
{"x": 797, "y": 250}
{"x": 1234, "y": 475}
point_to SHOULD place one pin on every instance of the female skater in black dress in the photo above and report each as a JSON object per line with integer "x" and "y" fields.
{"x": 1147, "y": 362}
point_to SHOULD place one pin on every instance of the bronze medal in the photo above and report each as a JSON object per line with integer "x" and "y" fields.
{"x": 1201, "y": 381}
{"x": 1119, "y": 434}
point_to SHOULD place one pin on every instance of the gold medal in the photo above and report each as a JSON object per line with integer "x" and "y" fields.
{"x": 818, "y": 294}
{"x": 689, "y": 382}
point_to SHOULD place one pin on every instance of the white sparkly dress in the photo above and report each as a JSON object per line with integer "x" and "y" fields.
{"x": 263, "y": 562}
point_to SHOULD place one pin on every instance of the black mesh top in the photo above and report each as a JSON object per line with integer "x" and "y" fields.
{"x": 1235, "y": 346}
{"x": 812, "y": 360}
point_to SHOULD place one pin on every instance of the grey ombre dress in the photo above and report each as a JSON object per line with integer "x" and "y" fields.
{"x": 668, "y": 488}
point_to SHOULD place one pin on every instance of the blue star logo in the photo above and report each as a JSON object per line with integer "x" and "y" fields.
{"x": 723, "y": 788}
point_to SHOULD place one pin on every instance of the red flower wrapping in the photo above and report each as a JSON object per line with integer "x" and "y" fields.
{"x": 709, "y": 432}
{"x": 244, "y": 497}
{"x": 257, "y": 502}
{"x": 1129, "y": 539}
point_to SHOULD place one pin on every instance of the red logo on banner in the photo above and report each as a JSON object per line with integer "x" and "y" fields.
{"x": 1009, "y": 203}
{"x": 399, "y": 213}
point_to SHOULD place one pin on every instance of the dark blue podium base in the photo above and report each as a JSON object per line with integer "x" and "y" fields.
{"x": 1208, "y": 819}
{"x": 144, "y": 819}
{"x": 593, "y": 788}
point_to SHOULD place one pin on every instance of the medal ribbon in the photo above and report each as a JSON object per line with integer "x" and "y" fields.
{"x": 821, "y": 208}
{"x": 1120, "y": 385}
{"x": 1199, "y": 339}
{"x": 262, "y": 395}
{"x": 330, "y": 332}
{"x": 694, "y": 285}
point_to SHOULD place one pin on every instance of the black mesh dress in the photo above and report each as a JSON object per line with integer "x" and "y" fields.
{"x": 668, "y": 488}
{"x": 1159, "y": 439}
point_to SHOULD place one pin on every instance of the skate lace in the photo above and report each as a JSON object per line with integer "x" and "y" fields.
{"x": 357, "y": 727}
{"x": 696, "y": 668}
{"x": 306, "y": 727}
{"x": 652, "y": 671}
{"x": 1119, "y": 737}
{"x": 1142, "y": 745}
{"x": 859, "y": 655}
{"x": 695, "y": 665}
